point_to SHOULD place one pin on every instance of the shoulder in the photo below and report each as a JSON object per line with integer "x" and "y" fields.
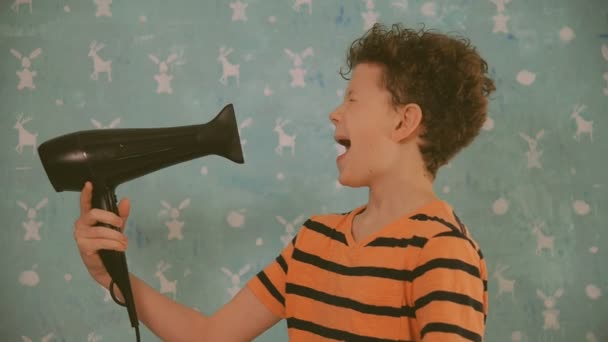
{"x": 445, "y": 232}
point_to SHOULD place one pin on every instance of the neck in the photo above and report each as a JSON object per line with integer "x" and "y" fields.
{"x": 397, "y": 195}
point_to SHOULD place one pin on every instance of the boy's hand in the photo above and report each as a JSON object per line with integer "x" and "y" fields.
{"x": 91, "y": 238}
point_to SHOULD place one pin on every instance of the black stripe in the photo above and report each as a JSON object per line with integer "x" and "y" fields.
{"x": 270, "y": 287}
{"x": 459, "y": 235}
{"x": 349, "y": 303}
{"x": 450, "y": 328}
{"x": 450, "y": 297}
{"x": 452, "y": 264}
{"x": 340, "y": 335}
{"x": 424, "y": 217}
{"x": 460, "y": 224}
{"x": 325, "y": 230}
{"x": 282, "y": 263}
{"x": 415, "y": 241}
{"x": 384, "y": 272}
{"x": 381, "y": 272}
{"x": 485, "y": 285}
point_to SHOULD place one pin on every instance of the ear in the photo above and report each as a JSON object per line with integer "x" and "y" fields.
{"x": 407, "y": 120}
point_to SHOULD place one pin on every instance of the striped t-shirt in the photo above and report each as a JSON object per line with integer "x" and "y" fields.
{"x": 422, "y": 276}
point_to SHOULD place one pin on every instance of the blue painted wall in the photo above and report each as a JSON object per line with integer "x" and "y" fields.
{"x": 74, "y": 65}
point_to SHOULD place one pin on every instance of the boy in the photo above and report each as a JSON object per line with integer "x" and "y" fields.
{"x": 401, "y": 267}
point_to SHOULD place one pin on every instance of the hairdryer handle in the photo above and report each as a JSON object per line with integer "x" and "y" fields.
{"x": 115, "y": 262}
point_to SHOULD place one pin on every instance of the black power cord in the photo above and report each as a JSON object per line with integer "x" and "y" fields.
{"x": 123, "y": 304}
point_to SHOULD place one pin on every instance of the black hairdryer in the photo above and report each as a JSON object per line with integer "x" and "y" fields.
{"x": 109, "y": 157}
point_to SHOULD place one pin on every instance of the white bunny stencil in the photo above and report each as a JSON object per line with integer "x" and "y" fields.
{"x": 26, "y": 138}
{"x": 533, "y": 154}
{"x": 31, "y": 225}
{"x": 112, "y": 124}
{"x": 235, "y": 279}
{"x": 297, "y": 73}
{"x": 93, "y": 337}
{"x": 46, "y": 338}
{"x": 290, "y": 228}
{"x": 550, "y": 314}
{"x": 99, "y": 65}
{"x": 163, "y": 78}
{"x": 500, "y": 19}
{"x": 174, "y": 225}
{"x": 370, "y": 17}
{"x": 26, "y": 76}
{"x": 285, "y": 140}
{"x": 166, "y": 286}
{"x": 103, "y": 8}
{"x": 238, "y": 10}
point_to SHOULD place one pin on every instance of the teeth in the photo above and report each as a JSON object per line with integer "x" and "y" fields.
{"x": 344, "y": 142}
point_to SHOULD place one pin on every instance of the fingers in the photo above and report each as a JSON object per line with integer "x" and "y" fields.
{"x": 91, "y": 239}
{"x": 92, "y": 246}
{"x": 124, "y": 208}
{"x": 95, "y": 215}
{"x": 85, "y": 198}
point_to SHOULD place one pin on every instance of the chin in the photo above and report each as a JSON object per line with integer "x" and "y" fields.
{"x": 351, "y": 182}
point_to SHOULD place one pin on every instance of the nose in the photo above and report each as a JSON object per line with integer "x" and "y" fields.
{"x": 335, "y": 115}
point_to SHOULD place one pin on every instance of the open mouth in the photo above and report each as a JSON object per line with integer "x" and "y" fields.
{"x": 343, "y": 146}
{"x": 344, "y": 142}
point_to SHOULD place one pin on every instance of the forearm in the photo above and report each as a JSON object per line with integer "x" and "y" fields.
{"x": 166, "y": 318}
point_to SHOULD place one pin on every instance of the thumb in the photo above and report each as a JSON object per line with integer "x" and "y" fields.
{"x": 124, "y": 208}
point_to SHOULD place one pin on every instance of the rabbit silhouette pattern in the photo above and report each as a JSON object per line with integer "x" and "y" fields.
{"x": 103, "y": 8}
{"x": 238, "y": 11}
{"x": 550, "y": 314}
{"x": 370, "y": 17}
{"x": 235, "y": 279}
{"x": 31, "y": 225}
{"x": 297, "y": 73}
{"x": 533, "y": 154}
{"x": 112, "y": 124}
{"x": 46, "y": 338}
{"x": 174, "y": 225}
{"x": 290, "y": 228}
{"x": 26, "y": 76}
{"x": 163, "y": 78}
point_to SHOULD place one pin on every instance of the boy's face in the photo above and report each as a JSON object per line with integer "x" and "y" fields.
{"x": 365, "y": 123}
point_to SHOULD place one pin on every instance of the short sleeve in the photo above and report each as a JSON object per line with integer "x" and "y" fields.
{"x": 268, "y": 285}
{"x": 449, "y": 290}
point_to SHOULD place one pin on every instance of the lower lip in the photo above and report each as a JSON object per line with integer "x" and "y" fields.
{"x": 340, "y": 157}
